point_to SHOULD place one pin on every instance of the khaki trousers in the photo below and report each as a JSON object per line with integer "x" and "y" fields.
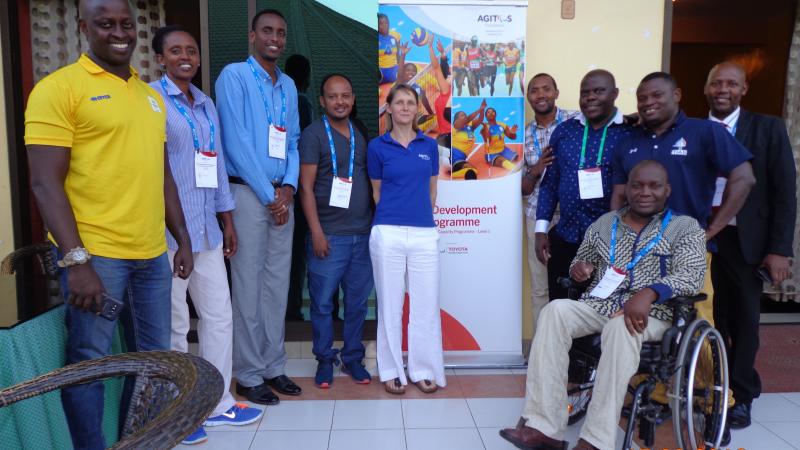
{"x": 545, "y": 389}
{"x": 537, "y": 272}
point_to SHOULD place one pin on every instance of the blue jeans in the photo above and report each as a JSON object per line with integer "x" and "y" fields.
{"x": 144, "y": 286}
{"x": 347, "y": 263}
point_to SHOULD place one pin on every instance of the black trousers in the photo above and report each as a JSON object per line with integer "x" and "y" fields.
{"x": 737, "y": 310}
{"x": 561, "y": 255}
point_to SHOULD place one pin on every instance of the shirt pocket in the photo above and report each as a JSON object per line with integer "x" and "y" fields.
{"x": 664, "y": 263}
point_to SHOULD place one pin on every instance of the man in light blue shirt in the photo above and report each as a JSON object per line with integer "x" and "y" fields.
{"x": 257, "y": 106}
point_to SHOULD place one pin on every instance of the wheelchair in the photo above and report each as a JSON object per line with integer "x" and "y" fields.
{"x": 698, "y": 407}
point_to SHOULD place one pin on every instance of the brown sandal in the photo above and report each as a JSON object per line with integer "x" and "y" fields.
{"x": 427, "y": 386}
{"x": 394, "y": 387}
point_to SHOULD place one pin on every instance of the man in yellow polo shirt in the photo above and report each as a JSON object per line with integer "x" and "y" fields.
{"x": 95, "y": 136}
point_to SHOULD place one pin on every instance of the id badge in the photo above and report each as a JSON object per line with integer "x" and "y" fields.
{"x": 277, "y": 142}
{"x": 609, "y": 283}
{"x": 590, "y": 183}
{"x": 719, "y": 189}
{"x": 340, "y": 193}
{"x": 205, "y": 169}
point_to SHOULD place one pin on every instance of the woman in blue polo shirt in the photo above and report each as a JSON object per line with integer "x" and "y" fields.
{"x": 403, "y": 165}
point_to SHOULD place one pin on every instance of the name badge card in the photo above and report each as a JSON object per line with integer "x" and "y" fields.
{"x": 277, "y": 142}
{"x": 590, "y": 183}
{"x": 340, "y": 193}
{"x": 205, "y": 169}
{"x": 609, "y": 283}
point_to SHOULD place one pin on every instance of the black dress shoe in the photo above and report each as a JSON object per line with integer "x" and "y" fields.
{"x": 284, "y": 385}
{"x": 739, "y": 416}
{"x": 260, "y": 394}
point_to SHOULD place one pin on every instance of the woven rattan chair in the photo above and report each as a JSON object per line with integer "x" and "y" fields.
{"x": 173, "y": 393}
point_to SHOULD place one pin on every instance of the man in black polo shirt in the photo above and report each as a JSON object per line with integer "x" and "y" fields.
{"x": 759, "y": 237}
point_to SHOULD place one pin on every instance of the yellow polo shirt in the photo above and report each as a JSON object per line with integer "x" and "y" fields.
{"x": 115, "y": 130}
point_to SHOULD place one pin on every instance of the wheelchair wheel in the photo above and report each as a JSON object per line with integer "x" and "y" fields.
{"x": 700, "y": 406}
{"x": 578, "y": 397}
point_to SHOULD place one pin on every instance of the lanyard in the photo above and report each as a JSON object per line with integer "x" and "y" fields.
{"x": 645, "y": 250}
{"x": 182, "y": 110}
{"x": 334, "y": 162}
{"x": 602, "y": 144}
{"x": 259, "y": 83}
{"x": 536, "y": 144}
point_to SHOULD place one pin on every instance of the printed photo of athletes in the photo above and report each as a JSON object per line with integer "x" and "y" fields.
{"x": 483, "y": 69}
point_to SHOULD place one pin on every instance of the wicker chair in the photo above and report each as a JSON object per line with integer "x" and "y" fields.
{"x": 41, "y": 253}
{"x": 173, "y": 393}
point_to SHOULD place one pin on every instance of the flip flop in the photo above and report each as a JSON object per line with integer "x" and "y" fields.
{"x": 394, "y": 387}
{"x": 427, "y": 386}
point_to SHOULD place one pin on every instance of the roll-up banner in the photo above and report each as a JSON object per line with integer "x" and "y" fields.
{"x": 472, "y": 104}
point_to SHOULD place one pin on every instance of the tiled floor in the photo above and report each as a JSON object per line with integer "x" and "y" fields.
{"x": 467, "y": 415}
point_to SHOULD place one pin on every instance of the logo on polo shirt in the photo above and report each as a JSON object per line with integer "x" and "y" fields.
{"x": 633, "y": 150}
{"x": 154, "y": 104}
{"x": 97, "y": 98}
{"x": 679, "y": 147}
{"x": 424, "y": 157}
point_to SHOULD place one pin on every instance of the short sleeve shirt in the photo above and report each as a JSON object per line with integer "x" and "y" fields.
{"x": 315, "y": 149}
{"x": 405, "y": 173}
{"x": 694, "y": 152}
{"x": 115, "y": 130}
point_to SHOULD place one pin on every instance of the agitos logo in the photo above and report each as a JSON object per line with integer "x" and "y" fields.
{"x": 489, "y": 18}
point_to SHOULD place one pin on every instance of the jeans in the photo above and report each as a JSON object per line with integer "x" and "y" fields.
{"x": 144, "y": 287}
{"x": 348, "y": 262}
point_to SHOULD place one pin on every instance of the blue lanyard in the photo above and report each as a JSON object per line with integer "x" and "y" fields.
{"x": 182, "y": 110}
{"x": 334, "y": 162}
{"x": 259, "y": 83}
{"x": 644, "y": 251}
{"x": 536, "y": 144}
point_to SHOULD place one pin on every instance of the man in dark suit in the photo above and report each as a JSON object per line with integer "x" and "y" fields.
{"x": 758, "y": 239}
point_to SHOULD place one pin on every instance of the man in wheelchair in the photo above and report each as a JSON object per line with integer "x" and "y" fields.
{"x": 635, "y": 259}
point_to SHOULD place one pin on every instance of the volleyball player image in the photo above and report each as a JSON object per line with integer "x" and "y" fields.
{"x": 511, "y": 57}
{"x": 494, "y": 132}
{"x": 406, "y": 76}
{"x": 463, "y": 141}
{"x": 388, "y": 43}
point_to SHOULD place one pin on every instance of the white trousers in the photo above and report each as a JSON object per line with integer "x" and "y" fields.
{"x": 208, "y": 286}
{"x": 538, "y": 274}
{"x": 408, "y": 256}
{"x": 545, "y": 387}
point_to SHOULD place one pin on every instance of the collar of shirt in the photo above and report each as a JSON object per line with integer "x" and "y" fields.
{"x": 617, "y": 120}
{"x": 679, "y": 119}
{"x": 86, "y": 62}
{"x": 551, "y": 124}
{"x": 656, "y": 219}
{"x": 264, "y": 74}
{"x": 387, "y": 137}
{"x": 197, "y": 94}
{"x": 730, "y": 120}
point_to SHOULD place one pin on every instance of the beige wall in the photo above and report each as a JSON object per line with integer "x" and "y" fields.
{"x": 622, "y": 36}
{"x": 8, "y": 291}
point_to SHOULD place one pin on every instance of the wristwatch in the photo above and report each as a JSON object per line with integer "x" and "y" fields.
{"x": 74, "y": 257}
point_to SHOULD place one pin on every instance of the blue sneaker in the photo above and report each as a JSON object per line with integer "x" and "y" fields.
{"x": 357, "y": 372}
{"x": 199, "y": 435}
{"x": 239, "y": 414}
{"x": 324, "y": 376}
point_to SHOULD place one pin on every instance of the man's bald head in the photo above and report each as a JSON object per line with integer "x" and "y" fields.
{"x": 647, "y": 188}
{"x": 725, "y": 86}
{"x": 602, "y": 74}
{"x": 88, "y": 8}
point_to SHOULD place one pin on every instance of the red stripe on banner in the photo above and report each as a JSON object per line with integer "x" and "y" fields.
{"x": 455, "y": 336}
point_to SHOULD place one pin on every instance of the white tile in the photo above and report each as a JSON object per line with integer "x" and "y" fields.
{"x": 788, "y": 431}
{"x": 224, "y": 440}
{"x": 299, "y": 415}
{"x": 444, "y": 439}
{"x": 367, "y": 440}
{"x": 757, "y": 437}
{"x": 492, "y": 440}
{"x": 793, "y": 397}
{"x": 239, "y": 428}
{"x": 482, "y": 371}
{"x": 292, "y": 349}
{"x": 495, "y": 412}
{"x": 367, "y": 415}
{"x": 282, "y": 440}
{"x": 775, "y": 408}
{"x": 437, "y": 413}
{"x": 301, "y": 367}
{"x": 306, "y": 349}
{"x": 519, "y": 371}
{"x": 370, "y": 349}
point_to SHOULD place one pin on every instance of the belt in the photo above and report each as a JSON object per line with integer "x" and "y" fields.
{"x": 237, "y": 180}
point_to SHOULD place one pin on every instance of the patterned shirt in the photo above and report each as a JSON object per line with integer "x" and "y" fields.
{"x": 674, "y": 267}
{"x": 537, "y": 138}
{"x": 559, "y": 186}
{"x": 200, "y": 205}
